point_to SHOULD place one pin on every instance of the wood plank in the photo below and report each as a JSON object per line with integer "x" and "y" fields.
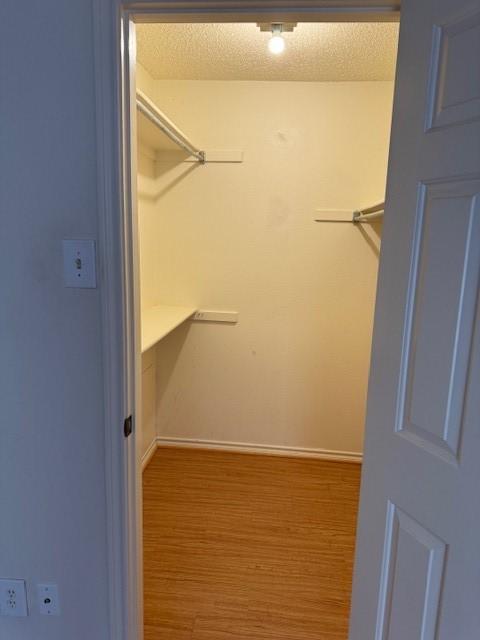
{"x": 244, "y": 546}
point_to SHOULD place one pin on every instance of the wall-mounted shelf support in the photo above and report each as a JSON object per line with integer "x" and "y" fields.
{"x": 205, "y": 315}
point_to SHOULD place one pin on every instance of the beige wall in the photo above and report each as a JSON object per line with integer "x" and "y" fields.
{"x": 241, "y": 237}
{"x": 148, "y": 216}
{"x": 148, "y": 206}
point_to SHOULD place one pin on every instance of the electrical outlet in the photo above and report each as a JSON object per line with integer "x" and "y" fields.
{"x": 13, "y": 598}
{"x": 48, "y": 601}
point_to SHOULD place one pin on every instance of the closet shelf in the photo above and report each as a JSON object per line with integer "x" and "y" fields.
{"x": 156, "y": 130}
{"x": 159, "y": 321}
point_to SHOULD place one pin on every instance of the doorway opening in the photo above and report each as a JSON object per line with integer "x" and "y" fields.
{"x": 258, "y": 182}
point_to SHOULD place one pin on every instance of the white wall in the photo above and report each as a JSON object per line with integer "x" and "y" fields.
{"x": 149, "y": 402}
{"x": 53, "y": 516}
{"x": 293, "y": 372}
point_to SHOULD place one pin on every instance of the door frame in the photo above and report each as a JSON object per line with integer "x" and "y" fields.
{"x": 117, "y": 242}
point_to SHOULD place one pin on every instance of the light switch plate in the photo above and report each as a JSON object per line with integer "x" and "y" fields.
{"x": 79, "y": 264}
{"x": 13, "y": 598}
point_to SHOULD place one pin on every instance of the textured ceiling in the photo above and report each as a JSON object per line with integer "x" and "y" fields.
{"x": 314, "y": 52}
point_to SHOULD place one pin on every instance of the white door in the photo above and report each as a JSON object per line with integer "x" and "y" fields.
{"x": 417, "y": 574}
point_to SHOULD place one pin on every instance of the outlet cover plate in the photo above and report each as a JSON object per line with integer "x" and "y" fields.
{"x": 48, "y": 602}
{"x": 13, "y": 598}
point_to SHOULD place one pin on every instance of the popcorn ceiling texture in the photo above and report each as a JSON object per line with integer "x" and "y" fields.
{"x": 314, "y": 52}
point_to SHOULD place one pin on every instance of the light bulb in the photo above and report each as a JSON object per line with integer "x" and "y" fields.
{"x": 276, "y": 44}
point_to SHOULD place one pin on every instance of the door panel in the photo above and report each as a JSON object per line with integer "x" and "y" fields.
{"x": 440, "y": 315}
{"x": 412, "y": 578}
{"x": 416, "y": 574}
{"x": 455, "y": 84}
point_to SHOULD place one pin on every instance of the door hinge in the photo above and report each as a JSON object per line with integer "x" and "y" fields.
{"x": 128, "y": 426}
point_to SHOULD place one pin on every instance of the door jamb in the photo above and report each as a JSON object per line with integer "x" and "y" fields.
{"x": 112, "y": 23}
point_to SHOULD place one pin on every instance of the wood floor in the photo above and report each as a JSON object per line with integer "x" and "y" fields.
{"x": 247, "y": 547}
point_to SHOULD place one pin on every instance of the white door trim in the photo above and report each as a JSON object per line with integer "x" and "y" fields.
{"x": 116, "y": 244}
{"x": 116, "y": 285}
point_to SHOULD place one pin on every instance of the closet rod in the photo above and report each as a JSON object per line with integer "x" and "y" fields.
{"x": 370, "y": 213}
{"x": 376, "y": 207}
{"x": 151, "y": 112}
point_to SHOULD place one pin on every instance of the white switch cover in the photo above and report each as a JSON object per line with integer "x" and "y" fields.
{"x": 13, "y": 598}
{"x": 79, "y": 264}
{"x": 48, "y": 601}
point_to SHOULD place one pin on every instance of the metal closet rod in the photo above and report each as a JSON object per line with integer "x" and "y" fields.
{"x": 369, "y": 214}
{"x": 168, "y": 128}
{"x": 362, "y": 215}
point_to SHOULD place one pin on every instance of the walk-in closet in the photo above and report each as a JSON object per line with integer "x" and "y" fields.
{"x": 261, "y": 155}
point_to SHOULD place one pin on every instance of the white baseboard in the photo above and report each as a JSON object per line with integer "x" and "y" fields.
{"x": 149, "y": 453}
{"x": 260, "y": 449}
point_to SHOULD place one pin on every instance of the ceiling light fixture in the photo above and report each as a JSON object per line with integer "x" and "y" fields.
{"x": 276, "y": 44}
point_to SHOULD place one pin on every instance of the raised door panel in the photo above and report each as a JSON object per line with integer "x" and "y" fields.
{"x": 455, "y": 82}
{"x": 411, "y": 581}
{"x": 440, "y": 316}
